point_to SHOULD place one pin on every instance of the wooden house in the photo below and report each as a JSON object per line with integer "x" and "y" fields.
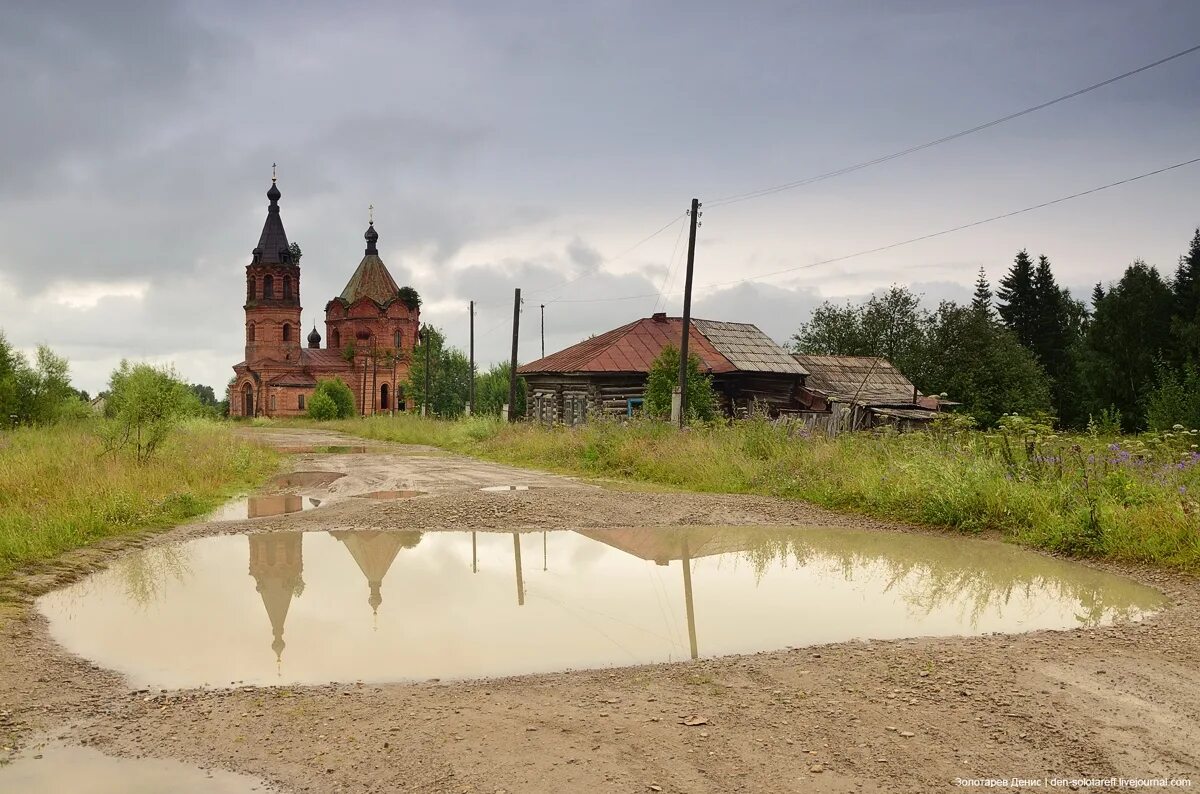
{"x": 861, "y": 392}
{"x": 608, "y": 373}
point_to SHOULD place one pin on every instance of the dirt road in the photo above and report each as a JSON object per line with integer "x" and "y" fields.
{"x": 909, "y": 715}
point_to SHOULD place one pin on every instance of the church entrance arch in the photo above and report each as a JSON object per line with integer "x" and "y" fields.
{"x": 247, "y": 400}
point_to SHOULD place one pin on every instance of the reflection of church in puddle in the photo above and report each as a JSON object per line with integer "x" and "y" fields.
{"x": 277, "y": 565}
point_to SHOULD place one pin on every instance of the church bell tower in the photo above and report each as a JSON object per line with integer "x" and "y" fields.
{"x": 273, "y": 292}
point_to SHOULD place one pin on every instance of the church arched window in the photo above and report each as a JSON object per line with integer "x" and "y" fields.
{"x": 397, "y": 339}
{"x": 250, "y": 332}
{"x": 268, "y": 287}
{"x": 335, "y": 339}
{"x": 249, "y": 288}
{"x": 287, "y": 331}
{"x": 287, "y": 288}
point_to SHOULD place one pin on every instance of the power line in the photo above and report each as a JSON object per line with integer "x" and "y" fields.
{"x": 610, "y": 260}
{"x": 662, "y": 291}
{"x": 733, "y": 199}
{"x": 911, "y": 240}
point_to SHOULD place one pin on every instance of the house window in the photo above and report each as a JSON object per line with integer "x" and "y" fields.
{"x": 287, "y": 331}
{"x": 250, "y": 332}
{"x": 287, "y": 288}
{"x": 268, "y": 287}
{"x": 300, "y": 401}
{"x": 574, "y": 409}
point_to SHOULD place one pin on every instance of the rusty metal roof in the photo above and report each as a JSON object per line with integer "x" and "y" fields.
{"x": 293, "y": 379}
{"x": 866, "y": 380}
{"x": 633, "y": 347}
{"x": 370, "y": 280}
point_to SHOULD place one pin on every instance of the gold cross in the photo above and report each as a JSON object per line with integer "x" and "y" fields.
{"x": 371, "y": 215}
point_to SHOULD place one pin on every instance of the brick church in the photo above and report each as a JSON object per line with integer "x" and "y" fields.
{"x": 370, "y": 332}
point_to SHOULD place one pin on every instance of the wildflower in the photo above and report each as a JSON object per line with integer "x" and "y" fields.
{"x": 1177, "y": 427}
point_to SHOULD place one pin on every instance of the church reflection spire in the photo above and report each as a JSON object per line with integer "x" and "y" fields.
{"x": 277, "y": 565}
{"x": 374, "y": 551}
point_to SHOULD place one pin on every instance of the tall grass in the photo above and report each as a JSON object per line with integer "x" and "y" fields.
{"x": 1129, "y": 499}
{"x": 58, "y": 491}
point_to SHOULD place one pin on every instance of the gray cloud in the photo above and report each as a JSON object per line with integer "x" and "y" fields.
{"x": 505, "y": 147}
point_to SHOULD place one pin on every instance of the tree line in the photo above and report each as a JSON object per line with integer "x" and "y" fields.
{"x": 1128, "y": 358}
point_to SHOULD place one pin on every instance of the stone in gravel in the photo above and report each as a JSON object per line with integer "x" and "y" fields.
{"x": 907, "y": 734}
{"x": 816, "y": 768}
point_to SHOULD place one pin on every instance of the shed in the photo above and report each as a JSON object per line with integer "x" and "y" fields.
{"x": 607, "y": 373}
{"x": 861, "y": 392}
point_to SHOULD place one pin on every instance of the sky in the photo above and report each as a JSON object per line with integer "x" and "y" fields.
{"x": 534, "y": 144}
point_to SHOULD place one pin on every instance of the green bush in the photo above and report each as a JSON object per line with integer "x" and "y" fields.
{"x": 322, "y": 407}
{"x": 145, "y": 404}
{"x": 338, "y": 393}
{"x": 664, "y": 377}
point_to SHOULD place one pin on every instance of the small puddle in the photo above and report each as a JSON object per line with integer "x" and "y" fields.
{"x": 262, "y": 506}
{"x": 386, "y": 495}
{"x": 327, "y": 449}
{"x": 81, "y": 769}
{"x": 291, "y": 607}
{"x": 501, "y": 488}
{"x": 305, "y": 479}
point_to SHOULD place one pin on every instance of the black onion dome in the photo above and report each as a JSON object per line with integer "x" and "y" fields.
{"x": 371, "y": 237}
{"x": 314, "y": 337}
{"x": 273, "y": 194}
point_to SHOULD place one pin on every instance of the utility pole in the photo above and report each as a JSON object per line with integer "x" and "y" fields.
{"x": 512, "y": 371}
{"x": 543, "y": 330}
{"x": 687, "y": 315}
{"x": 425, "y": 344}
{"x": 471, "y": 391}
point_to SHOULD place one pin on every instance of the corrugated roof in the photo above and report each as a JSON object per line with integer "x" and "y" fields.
{"x": 634, "y": 347}
{"x": 324, "y": 357}
{"x": 863, "y": 379}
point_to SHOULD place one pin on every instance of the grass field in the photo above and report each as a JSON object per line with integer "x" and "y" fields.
{"x": 1122, "y": 498}
{"x": 57, "y": 491}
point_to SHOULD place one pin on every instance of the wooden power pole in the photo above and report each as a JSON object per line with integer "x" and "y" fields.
{"x": 687, "y": 315}
{"x": 512, "y": 372}
{"x": 471, "y": 390}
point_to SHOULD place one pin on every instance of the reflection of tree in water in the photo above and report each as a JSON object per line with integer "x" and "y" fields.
{"x": 146, "y": 574}
{"x": 932, "y": 573}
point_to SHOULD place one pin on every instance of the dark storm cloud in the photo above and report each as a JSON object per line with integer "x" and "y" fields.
{"x": 525, "y": 146}
{"x": 82, "y": 81}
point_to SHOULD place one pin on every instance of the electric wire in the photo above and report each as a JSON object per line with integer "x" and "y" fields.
{"x": 909, "y": 241}
{"x": 735, "y": 198}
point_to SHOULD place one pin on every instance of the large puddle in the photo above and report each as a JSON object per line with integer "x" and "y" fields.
{"x": 289, "y": 607}
{"x": 81, "y": 770}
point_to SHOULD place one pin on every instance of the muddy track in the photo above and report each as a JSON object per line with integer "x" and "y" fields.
{"x": 1114, "y": 701}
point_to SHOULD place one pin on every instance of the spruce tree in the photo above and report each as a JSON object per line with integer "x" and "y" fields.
{"x": 1097, "y": 295}
{"x": 982, "y": 302}
{"x": 1125, "y": 338}
{"x": 1018, "y": 304}
{"x": 1185, "y": 315}
{"x": 1056, "y": 325}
